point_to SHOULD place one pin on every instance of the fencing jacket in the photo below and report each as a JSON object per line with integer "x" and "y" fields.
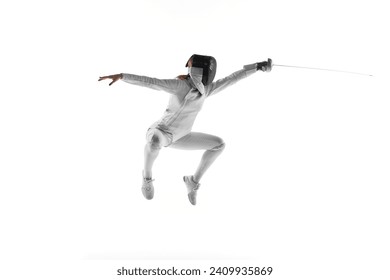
{"x": 185, "y": 101}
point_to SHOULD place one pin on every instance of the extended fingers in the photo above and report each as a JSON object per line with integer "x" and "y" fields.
{"x": 103, "y": 78}
{"x": 113, "y": 81}
{"x": 114, "y": 78}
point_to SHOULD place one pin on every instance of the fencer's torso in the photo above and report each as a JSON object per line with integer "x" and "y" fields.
{"x": 181, "y": 113}
{"x": 185, "y": 101}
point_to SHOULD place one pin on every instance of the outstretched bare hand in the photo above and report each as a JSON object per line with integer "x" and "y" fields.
{"x": 114, "y": 78}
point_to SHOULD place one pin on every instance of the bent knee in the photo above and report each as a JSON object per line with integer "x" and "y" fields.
{"x": 155, "y": 141}
{"x": 220, "y": 147}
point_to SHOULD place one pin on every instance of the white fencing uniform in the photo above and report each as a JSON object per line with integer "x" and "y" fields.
{"x": 185, "y": 102}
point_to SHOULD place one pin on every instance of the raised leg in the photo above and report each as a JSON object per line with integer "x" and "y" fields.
{"x": 207, "y": 160}
{"x": 155, "y": 141}
{"x": 201, "y": 141}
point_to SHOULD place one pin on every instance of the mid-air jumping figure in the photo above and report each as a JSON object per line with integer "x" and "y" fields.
{"x": 174, "y": 129}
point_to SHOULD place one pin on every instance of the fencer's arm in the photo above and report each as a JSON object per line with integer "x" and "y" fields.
{"x": 223, "y": 83}
{"x": 173, "y": 86}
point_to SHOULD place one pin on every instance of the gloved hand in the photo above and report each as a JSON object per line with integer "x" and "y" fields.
{"x": 265, "y": 66}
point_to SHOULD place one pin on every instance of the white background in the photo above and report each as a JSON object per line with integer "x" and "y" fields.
{"x": 302, "y": 185}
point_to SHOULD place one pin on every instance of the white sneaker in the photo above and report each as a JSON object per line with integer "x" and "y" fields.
{"x": 147, "y": 187}
{"x": 192, "y": 188}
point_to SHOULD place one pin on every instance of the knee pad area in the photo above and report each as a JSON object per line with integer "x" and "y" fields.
{"x": 154, "y": 141}
{"x": 218, "y": 148}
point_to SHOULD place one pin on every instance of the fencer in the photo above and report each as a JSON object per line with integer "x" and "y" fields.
{"x": 174, "y": 128}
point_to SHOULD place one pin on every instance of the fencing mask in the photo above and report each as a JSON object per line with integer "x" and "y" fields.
{"x": 202, "y": 71}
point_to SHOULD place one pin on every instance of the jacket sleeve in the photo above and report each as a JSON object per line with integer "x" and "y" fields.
{"x": 173, "y": 86}
{"x": 231, "y": 79}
